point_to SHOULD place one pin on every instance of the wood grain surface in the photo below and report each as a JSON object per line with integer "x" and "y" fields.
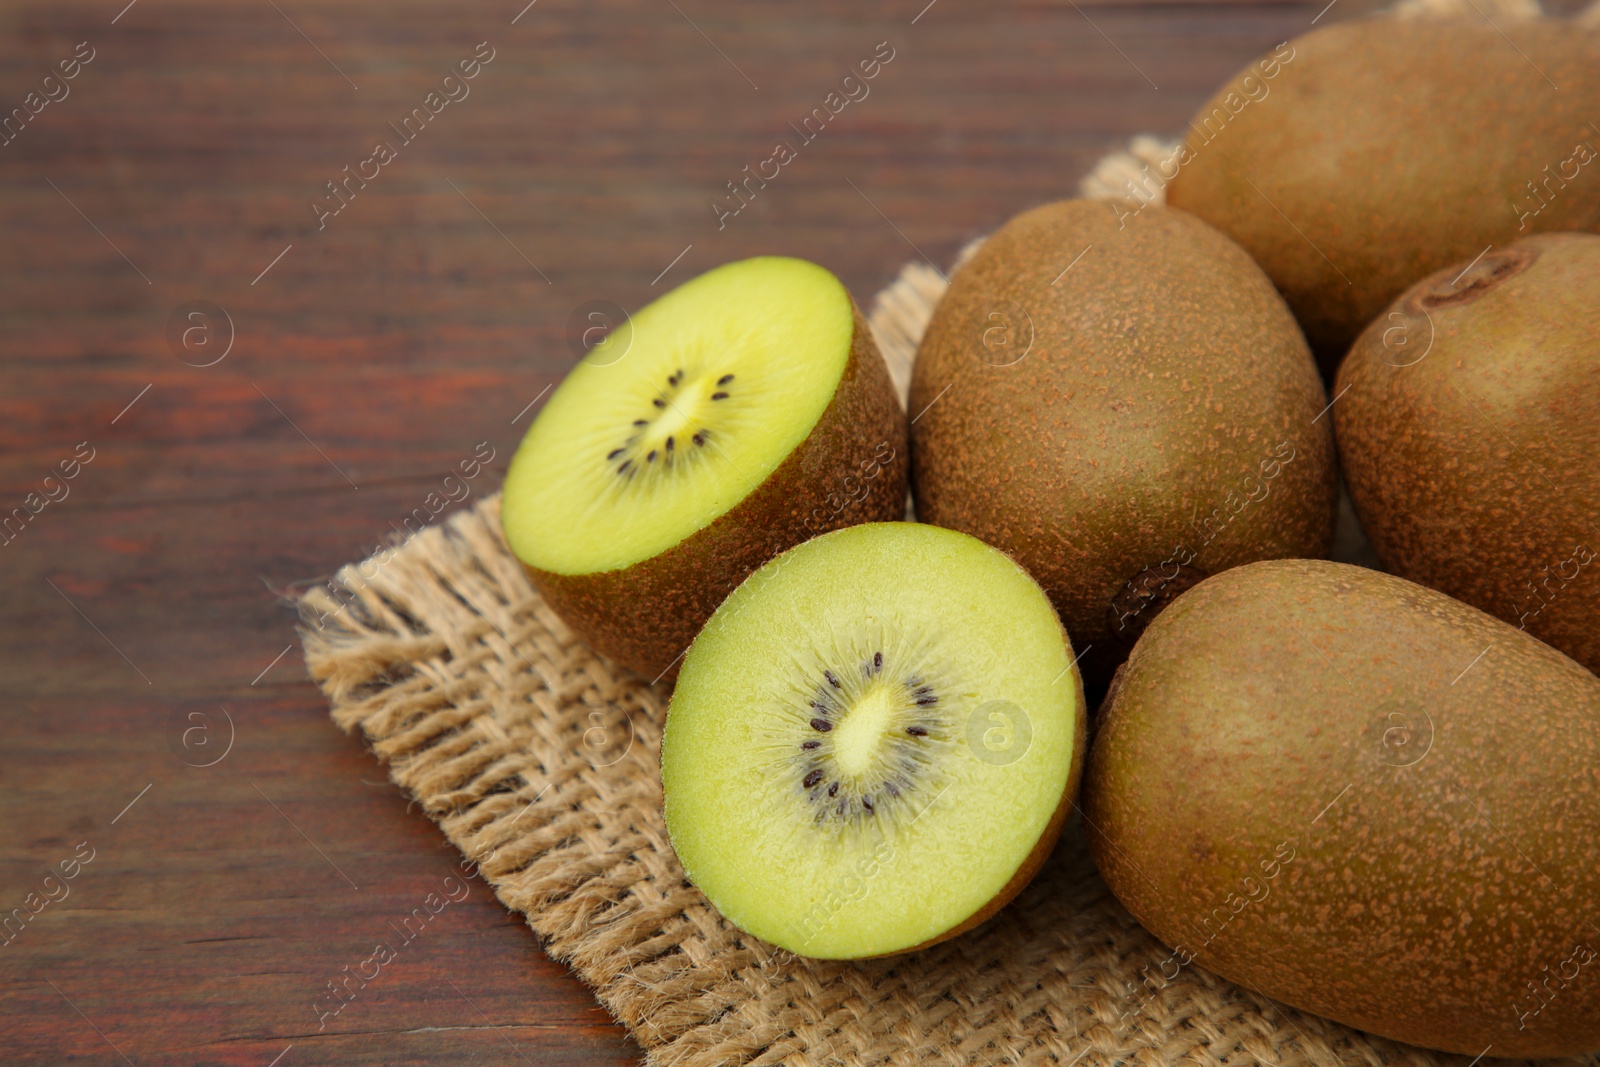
{"x": 144, "y": 613}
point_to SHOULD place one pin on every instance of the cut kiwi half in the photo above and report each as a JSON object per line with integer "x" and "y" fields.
{"x": 873, "y": 743}
{"x": 740, "y": 414}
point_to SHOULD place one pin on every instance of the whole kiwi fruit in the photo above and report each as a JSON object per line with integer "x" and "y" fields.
{"x": 1123, "y": 405}
{"x": 1365, "y": 155}
{"x": 1388, "y": 808}
{"x": 1469, "y": 427}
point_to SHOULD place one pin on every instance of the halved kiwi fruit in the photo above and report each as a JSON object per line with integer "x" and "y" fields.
{"x": 740, "y": 414}
{"x": 874, "y": 742}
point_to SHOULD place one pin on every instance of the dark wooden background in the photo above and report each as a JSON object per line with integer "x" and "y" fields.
{"x": 366, "y": 363}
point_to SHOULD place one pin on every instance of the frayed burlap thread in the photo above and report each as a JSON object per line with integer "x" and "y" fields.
{"x": 539, "y": 761}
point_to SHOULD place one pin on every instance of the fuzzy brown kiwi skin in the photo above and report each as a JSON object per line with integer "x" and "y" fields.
{"x": 1035, "y": 860}
{"x": 1409, "y": 905}
{"x": 1445, "y": 500}
{"x": 645, "y": 616}
{"x": 1165, "y": 371}
{"x": 1386, "y": 149}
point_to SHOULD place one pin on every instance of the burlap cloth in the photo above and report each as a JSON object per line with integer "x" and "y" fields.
{"x": 539, "y": 761}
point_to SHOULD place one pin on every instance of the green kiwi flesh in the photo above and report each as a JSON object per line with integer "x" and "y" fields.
{"x": 1365, "y": 155}
{"x": 873, "y": 743}
{"x": 1355, "y": 795}
{"x": 734, "y": 417}
{"x": 1123, "y": 405}
{"x": 1469, "y": 428}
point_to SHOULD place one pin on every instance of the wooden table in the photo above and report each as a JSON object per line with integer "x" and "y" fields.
{"x": 371, "y": 351}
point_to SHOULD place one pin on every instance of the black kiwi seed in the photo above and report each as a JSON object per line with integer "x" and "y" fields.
{"x": 615, "y": 453}
{"x": 719, "y": 396}
{"x": 625, "y": 465}
{"x": 831, "y": 679}
{"x": 652, "y": 456}
{"x": 808, "y": 745}
{"x": 916, "y": 731}
{"x": 821, "y": 725}
{"x": 833, "y": 790}
{"x": 922, "y": 702}
{"x": 670, "y": 444}
{"x": 812, "y": 779}
{"x": 699, "y": 438}
{"x": 866, "y": 802}
{"x": 725, "y": 379}
{"x": 641, "y": 422}
{"x": 658, "y": 402}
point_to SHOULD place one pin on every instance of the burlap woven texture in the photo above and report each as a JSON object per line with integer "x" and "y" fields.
{"x": 539, "y": 761}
